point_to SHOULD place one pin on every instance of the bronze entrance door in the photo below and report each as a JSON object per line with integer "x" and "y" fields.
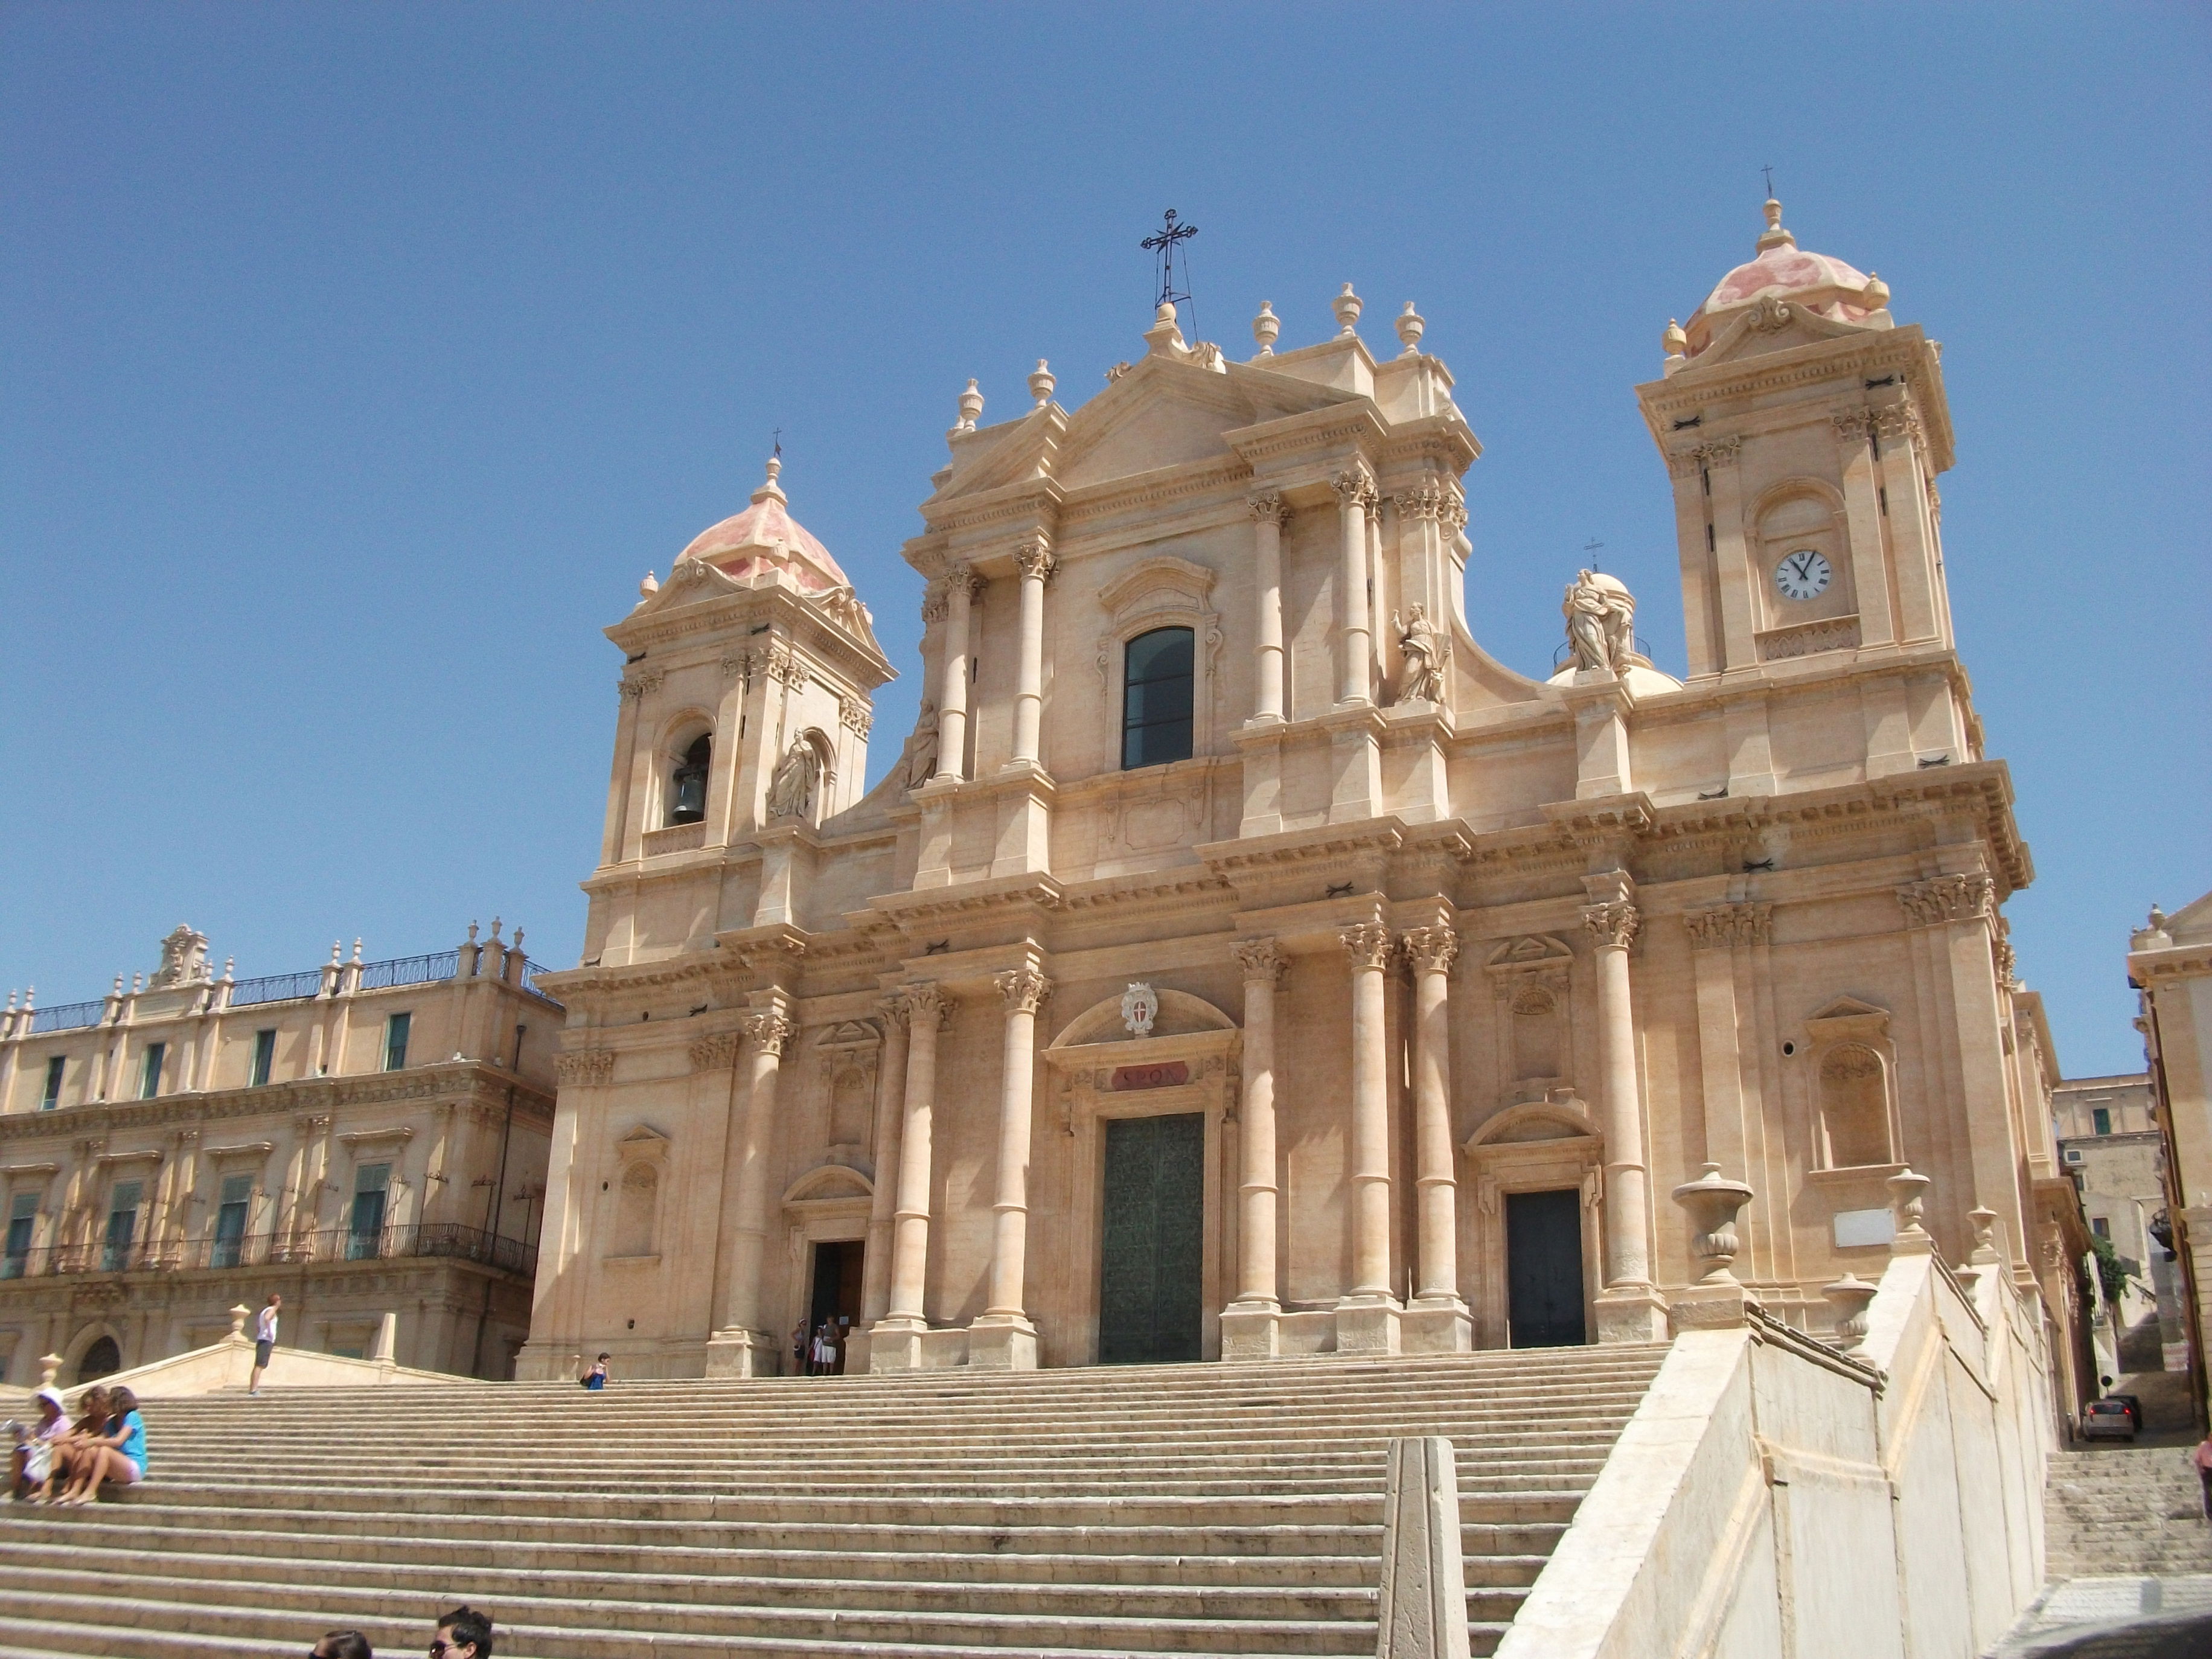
{"x": 1544, "y": 1268}
{"x": 1152, "y": 1247}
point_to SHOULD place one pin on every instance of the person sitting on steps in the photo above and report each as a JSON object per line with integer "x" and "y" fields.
{"x": 117, "y": 1454}
{"x": 34, "y": 1462}
{"x": 596, "y": 1378}
{"x": 464, "y": 1633}
{"x": 342, "y": 1644}
{"x": 72, "y": 1450}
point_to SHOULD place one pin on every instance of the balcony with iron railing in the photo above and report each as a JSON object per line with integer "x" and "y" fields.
{"x": 433, "y": 1240}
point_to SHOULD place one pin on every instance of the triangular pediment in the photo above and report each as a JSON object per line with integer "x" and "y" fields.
{"x": 1163, "y": 414}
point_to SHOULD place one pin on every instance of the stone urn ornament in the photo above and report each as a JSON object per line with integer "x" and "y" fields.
{"x": 1712, "y": 1200}
{"x": 1850, "y": 1297}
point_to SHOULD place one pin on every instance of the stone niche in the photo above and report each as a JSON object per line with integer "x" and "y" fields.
{"x": 1531, "y": 979}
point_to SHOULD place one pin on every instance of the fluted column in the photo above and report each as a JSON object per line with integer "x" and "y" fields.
{"x": 1035, "y": 560}
{"x": 1367, "y": 944}
{"x": 890, "y": 1115}
{"x": 1432, "y": 950}
{"x": 766, "y": 1032}
{"x": 1355, "y": 672}
{"x": 926, "y": 1006}
{"x": 952, "y": 692}
{"x": 1268, "y": 516}
{"x": 1262, "y": 961}
{"x": 1635, "y": 1313}
{"x": 1003, "y": 1339}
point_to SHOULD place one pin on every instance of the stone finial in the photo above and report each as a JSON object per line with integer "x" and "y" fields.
{"x": 239, "y": 1314}
{"x": 1877, "y": 293}
{"x": 1676, "y": 345}
{"x": 138, "y": 984}
{"x": 472, "y": 933}
{"x": 1712, "y": 1200}
{"x": 229, "y": 965}
{"x": 770, "y": 489}
{"x": 50, "y": 1367}
{"x": 337, "y": 951}
{"x": 1411, "y": 324}
{"x": 972, "y": 406}
{"x": 495, "y": 930}
{"x": 517, "y": 944}
{"x": 1774, "y": 235}
{"x": 649, "y": 587}
{"x": 1848, "y": 1297}
{"x": 1266, "y": 327}
{"x": 1042, "y": 383}
{"x": 356, "y": 947}
{"x": 1348, "y": 306}
{"x": 1984, "y": 1221}
{"x": 1907, "y": 1199}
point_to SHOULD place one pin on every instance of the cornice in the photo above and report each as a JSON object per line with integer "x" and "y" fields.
{"x": 1355, "y": 427}
{"x": 1227, "y": 476}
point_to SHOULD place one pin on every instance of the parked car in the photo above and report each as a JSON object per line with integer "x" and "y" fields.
{"x": 2116, "y": 1417}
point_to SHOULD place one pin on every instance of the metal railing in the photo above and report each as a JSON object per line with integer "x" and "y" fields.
{"x": 409, "y": 970}
{"x": 439, "y": 1240}
{"x": 67, "y": 1016}
{"x": 276, "y": 988}
{"x": 530, "y": 972}
{"x": 1566, "y": 648}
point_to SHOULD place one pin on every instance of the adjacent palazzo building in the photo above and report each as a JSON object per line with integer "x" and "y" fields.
{"x": 1237, "y": 960}
{"x": 366, "y": 1138}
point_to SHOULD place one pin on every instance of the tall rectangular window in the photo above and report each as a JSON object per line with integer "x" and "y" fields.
{"x": 150, "y": 1079}
{"x": 22, "y": 1217}
{"x": 231, "y": 1217}
{"x": 122, "y": 1225}
{"x": 370, "y": 1182}
{"x": 395, "y": 1041}
{"x": 264, "y": 1058}
{"x": 2101, "y": 1118}
{"x": 53, "y": 1097}
{"x": 1155, "y": 698}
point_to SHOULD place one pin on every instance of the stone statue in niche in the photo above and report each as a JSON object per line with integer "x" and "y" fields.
{"x": 1601, "y": 622}
{"x": 791, "y": 791}
{"x": 921, "y": 748}
{"x": 1422, "y": 650}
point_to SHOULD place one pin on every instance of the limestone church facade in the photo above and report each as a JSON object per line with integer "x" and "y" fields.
{"x": 1238, "y": 961}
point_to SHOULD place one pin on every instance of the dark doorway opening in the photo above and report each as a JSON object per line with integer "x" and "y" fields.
{"x": 1151, "y": 1247}
{"x": 99, "y": 1360}
{"x": 1544, "y": 1269}
{"x": 836, "y": 1296}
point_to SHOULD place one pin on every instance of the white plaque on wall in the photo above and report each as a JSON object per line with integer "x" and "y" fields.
{"x": 1863, "y": 1227}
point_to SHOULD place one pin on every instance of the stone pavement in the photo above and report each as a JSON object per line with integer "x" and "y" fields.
{"x": 2117, "y": 1617}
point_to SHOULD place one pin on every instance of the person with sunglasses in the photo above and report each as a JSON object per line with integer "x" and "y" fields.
{"x": 464, "y": 1633}
{"x": 342, "y": 1644}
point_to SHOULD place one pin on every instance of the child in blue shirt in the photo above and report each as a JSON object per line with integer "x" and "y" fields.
{"x": 117, "y": 1454}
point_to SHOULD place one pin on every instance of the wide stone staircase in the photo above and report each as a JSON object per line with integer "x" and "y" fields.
{"x": 1204, "y": 1510}
{"x": 2117, "y": 1511}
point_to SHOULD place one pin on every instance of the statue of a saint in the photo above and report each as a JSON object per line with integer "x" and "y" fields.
{"x": 1423, "y": 654}
{"x": 791, "y": 790}
{"x": 1601, "y": 622}
{"x": 921, "y": 747}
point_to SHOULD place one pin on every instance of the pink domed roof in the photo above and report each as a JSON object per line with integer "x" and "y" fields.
{"x": 765, "y": 534}
{"x": 1819, "y": 282}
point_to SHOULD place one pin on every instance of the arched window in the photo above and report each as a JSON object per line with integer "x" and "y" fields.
{"x": 1155, "y": 698}
{"x": 99, "y": 1360}
{"x": 1854, "y": 1106}
{"x": 634, "y": 1216}
{"x": 687, "y": 785}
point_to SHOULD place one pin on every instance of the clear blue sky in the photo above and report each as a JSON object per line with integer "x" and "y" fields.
{"x": 357, "y": 360}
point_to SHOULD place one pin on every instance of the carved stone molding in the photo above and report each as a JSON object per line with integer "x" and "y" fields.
{"x": 768, "y": 1031}
{"x": 895, "y": 1011}
{"x": 1034, "y": 559}
{"x": 1355, "y": 487}
{"x": 1898, "y": 421}
{"x": 1853, "y": 425}
{"x": 786, "y": 665}
{"x": 1613, "y": 926}
{"x": 1427, "y": 502}
{"x": 1946, "y": 898}
{"x": 1769, "y": 314}
{"x": 924, "y": 1002}
{"x": 1268, "y": 507}
{"x": 854, "y": 713}
{"x": 1367, "y": 942}
{"x": 1262, "y": 959}
{"x": 739, "y": 665}
{"x": 711, "y": 1054}
{"x": 1725, "y": 925}
{"x": 583, "y": 1067}
{"x": 965, "y": 575}
{"x": 935, "y": 604}
{"x": 1722, "y": 452}
{"x": 636, "y": 686}
{"x": 1431, "y": 949}
{"x": 1025, "y": 989}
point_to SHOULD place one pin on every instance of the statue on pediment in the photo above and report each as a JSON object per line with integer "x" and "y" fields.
{"x": 1601, "y": 622}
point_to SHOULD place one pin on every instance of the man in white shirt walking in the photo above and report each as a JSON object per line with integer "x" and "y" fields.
{"x": 264, "y": 1341}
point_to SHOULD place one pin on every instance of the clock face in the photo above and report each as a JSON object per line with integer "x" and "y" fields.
{"x": 1803, "y": 574}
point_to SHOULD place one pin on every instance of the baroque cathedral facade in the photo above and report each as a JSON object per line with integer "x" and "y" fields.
{"x": 1238, "y": 961}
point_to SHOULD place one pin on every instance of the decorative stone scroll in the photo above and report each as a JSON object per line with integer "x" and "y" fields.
{"x": 713, "y": 1052}
{"x": 1431, "y": 949}
{"x": 1367, "y": 942}
{"x": 1268, "y": 507}
{"x": 583, "y": 1067}
{"x": 1726, "y": 925}
{"x": 1615, "y": 925}
{"x": 768, "y": 1031}
{"x": 1946, "y": 898}
{"x": 1034, "y": 558}
{"x": 1262, "y": 961}
{"x": 1024, "y": 988}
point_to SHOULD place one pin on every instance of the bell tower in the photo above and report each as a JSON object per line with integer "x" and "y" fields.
{"x": 1803, "y": 430}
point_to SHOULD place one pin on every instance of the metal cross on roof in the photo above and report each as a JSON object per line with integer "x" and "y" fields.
{"x": 1768, "y": 172}
{"x": 1164, "y": 243}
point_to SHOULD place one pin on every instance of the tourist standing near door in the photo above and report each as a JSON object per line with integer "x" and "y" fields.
{"x": 264, "y": 1341}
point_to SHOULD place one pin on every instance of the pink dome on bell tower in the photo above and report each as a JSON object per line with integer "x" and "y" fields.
{"x": 766, "y": 536}
{"x": 1819, "y": 282}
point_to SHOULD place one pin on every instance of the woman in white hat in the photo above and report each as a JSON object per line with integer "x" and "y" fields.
{"x": 33, "y": 1463}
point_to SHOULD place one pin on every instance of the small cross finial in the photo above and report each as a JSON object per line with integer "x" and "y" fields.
{"x": 1768, "y": 172}
{"x": 1591, "y": 548}
{"x": 1165, "y": 242}
{"x": 778, "y": 436}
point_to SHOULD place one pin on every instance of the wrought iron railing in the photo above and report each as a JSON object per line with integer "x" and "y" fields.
{"x": 530, "y": 972}
{"x": 441, "y": 1240}
{"x": 1566, "y": 648}
{"x": 409, "y": 970}
{"x": 67, "y": 1016}
{"x": 276, "y": 988}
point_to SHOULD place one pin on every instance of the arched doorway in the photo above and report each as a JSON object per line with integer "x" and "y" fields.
{"x": 101, "y": 1358}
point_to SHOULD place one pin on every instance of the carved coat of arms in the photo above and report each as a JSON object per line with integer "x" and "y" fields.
{"x": 1140, "y": 1006}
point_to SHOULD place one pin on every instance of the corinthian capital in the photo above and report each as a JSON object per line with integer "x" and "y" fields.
{"x": 1613, "y": 926}
{"x": 768, "y": 1031}
{"x": 1268, "y": 507}
{"x": 1946, "y": 898}
{"x": 1033, "y": 558}
{"x": 926, "y": 1004}
{"x": 1354, "y": 488}
{"x": 1367, "y": 942}
{"x": 1725, "y": 925}
{"x": 1431, "y": 949}
{"x": 708, "y": 1053}
{"x": 1024, "y": 988}
{"x": 1262, "y": 960}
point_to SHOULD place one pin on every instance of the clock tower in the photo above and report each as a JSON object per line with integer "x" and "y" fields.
{"x": 1803, "y": 429}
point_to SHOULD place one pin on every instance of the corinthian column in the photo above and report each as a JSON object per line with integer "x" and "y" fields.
{"x": 1432, "y": 950}
{"x": 766, "y": 1032}
{"x": 1034, "y": 559}
{"x": 1630, "y": 1310}
{"x": 1269, "y": 514}
{"x": 1367, "y": 944}
{"x": 952, "y": 692}
{"x": 1003, "y": 1339}
{"x": 890, "y": 1113}
{"x": 1262, "y": 961}
{"x": 1355, "y": 670}
{"x": 895, "y": 1342}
